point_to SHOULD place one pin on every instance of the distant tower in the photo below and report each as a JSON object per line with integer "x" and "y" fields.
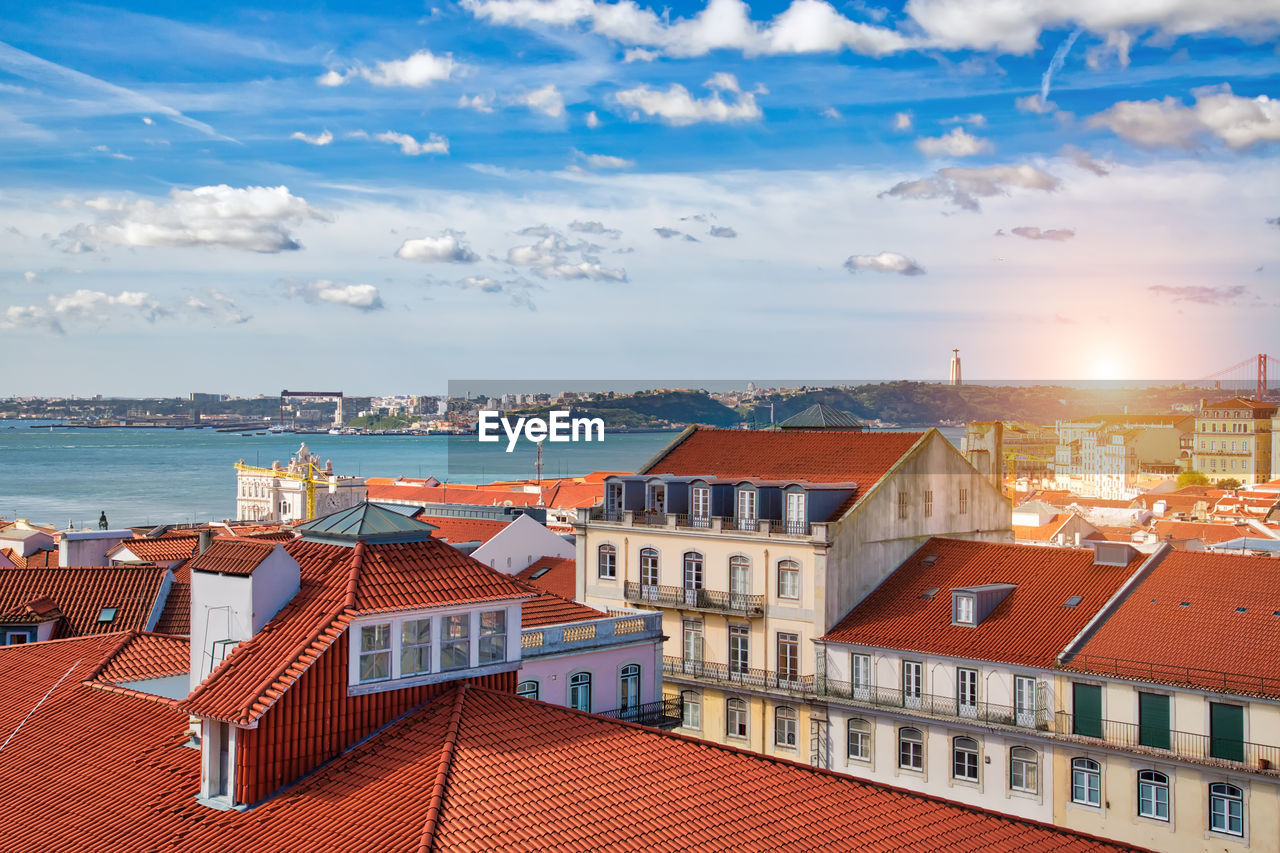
{"x": 955, "y": 367}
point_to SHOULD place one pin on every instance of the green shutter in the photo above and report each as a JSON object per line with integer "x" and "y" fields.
{"x": 1087, "y": 705}
{"x": 1153, "y": 720}
{"x": 1226, "y": 731}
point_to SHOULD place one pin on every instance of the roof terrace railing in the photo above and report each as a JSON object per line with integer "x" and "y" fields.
{"x": 666, "y": 713}
{"x": 935, "y": 705}
{"x": 1187, "y": 676}
{"x": 1161, "y": 741}
{"x": 696, "y": 599}
{"x": 745, "y": 677}
{"x": 692, "y": 521}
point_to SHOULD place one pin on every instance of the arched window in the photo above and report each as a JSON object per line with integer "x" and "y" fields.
{"x": 1086, "y": 782}
{"x": 964, "y": 759}
{"x": 527, "y": 689}
{"x": 1226, "y": 809}
{"x": 859, "y": 740}
{"x": 1024, "y": 770}
{"x": 580, "y": 691}
{"x": 607, "y": 563}
{"x": 788, "y": 579}
{"x": 784, "y": 726}
{"x": 910, "y": 749}
{"x": 629, "y": 690}
{"x": 649, "y": 571}
{"x": 735, "y": 724}
{"x": 692, "y": 570}
{"x": 739, "y": 575}
{"x": 1153, "y": 794}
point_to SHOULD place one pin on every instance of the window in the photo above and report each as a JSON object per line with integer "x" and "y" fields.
{"x": 657, "y": 498}
{"x": 1226, "y": 731}
{"x": 629, "y": 689}
{"x": 580, "y": 691}
{"x": 1153, "y": 720}
{"x": 701, "y": 515}
{"x": 788, "y": 579}
{"x": 910, "y": 749}
{"x": 860, "y": 675}
{"x": 1086, "y": 782}
{"x": 1226, "y": 809}
{"x": 784, "y": 726}
{"x": 1024, "y": 700}
{"x": 649, "y": 569}
{"x": 735, "y": 724}
{"x": 928, "y": 503}
{"x": 746, "y": 509}
{"x": 455, "y": 641}
{"x": 1086, "y": 701}
{"x": 375, "y": 652}
{"x": 692, "y": 640}
{"x": 794, "y": 513}
{"x": 415, "y": 647}
{"x": 691, "y": 709}
{"x": 964, "y": 609}
{"x": 964, "y": 501}
{"x": 107, "y": 614}
{"x": 739, "y": 644}
{"x": 788, "y": 656}
{"x": 1024, "y": 770}
{"x": 903, "y": 507}
{"x": 493, "y": 636}
{"x": 607, "y": 564}
{"x": 967, "y": 692}
{"x": 739, "y": 576}
{"x": 692, "y": 570}
{"x": 613, "y": 502}
{"x": 912, "y": 683}
{"x": 1153, "y": 795}
{"x": 527, "y": 689}
{"x": 859, "y": 740}
{"x": 964, "y": 759}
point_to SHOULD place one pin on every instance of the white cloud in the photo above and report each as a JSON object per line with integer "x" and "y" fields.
{"x": 518, "y": 290}
{"x": 831, "y": 113}
{"x": 546, "y": 100}
{"x": 956, "y": 143}
{"x": 1031, "y": 232}
{"x": 322, "y": 138}
{"x": 972, "y": 119}
{"x": 593, "y": 120}
{"x": 813, "y": 26}
{"x": 81, "y": 304}
{"x": 252, "y": 219}
{"x": 363, "y": 297}
{"x": 479, "y": 103}
{"x": 1238, "y": 121}
{"x": 1082, "y": 159}
{"x": 147, "y": 120}
{"x": 29, "y": 276}
{"x": 963, "y": 186}
{"x": 639, "y": 54}
{"x": 421, "y": 69}
{"x": 433, "y": 144}
{"x": 549, "y": 258}
{"x": 116, "y": 154}
{"x": 448, "y": 247}
{"x": 722, "y": 231}
{"x": 593, "y": 227}
{"x": 902, "y": 121}
{"x": 884, "y": 262}
{"x": 603, "y": 161}
{"x": 217, "y": 306}
{"x": 1035, "y": 104}
{"x": 667, "y": 233}
{"x": 676, "y": 106}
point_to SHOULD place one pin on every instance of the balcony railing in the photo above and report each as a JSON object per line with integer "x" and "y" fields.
{"x": 1206, "y": 679}
{"x": 697, "y": 599}
{"x": 666, "y": 713}
{"x": 723, "y": 674}
{"x": 1163, "y": 741}
{"x": 935, "y": 705}
{"x": 695, "y": 522}
{"x": 689, "y": 521}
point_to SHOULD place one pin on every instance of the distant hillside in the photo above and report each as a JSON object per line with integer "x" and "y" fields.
{"x": 650, "y": 410}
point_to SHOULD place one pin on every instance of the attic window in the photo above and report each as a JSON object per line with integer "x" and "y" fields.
{"x": 1074, "y": 600}
{"x": 539, "y": 573}
{"x": 106, "y": 614}
{"x": 965, "y": 610}
{"x": 933, "y": 590}
{"x": 930, "y": 560}
{"x": 1185, "y": 604}
{"x": 1241, "y": 609}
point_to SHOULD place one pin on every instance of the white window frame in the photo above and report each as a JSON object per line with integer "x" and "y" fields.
{"x": 966, "y": 691}
{"x": 612, "y": 553}
{"x": 1024, "y": 763}
{"x": 691, "y": 710}
{"x": 524, "y": 690}
{"x": 1025, "y": 687}
{"x": 737, "y": 719}
{"x": 791, "y": 590}
{"x": 1218, "y": 793}
{"x": 700, "y": 506}
{"x": 860, "y": 730}
{"x": 860, "y": 675}
{"x": 973, "y": 758}
{"x": 785, "y": 726}
{"x": 912, "y": 684}
{"x": 1086, "y": 776}
{"x": 739, "y": 649}
{"x": 966, "y": 609}
{"x": 911, "y": 749}
{"x": 491, "y": 637}
{"x": 1149, "y": 806}
{"x": 371, "y": 651}
{"x": 426, "y": 645}
{"x": 577, "y": 682}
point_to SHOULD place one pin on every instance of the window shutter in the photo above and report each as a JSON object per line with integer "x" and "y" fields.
{"x": 1153, "y": 720}
{"x": 1088, "y": 710}
{"x": 1226, "y": 731}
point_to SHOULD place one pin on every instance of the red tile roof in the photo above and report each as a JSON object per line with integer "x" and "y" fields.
{"x": 80, "y": 594}
{"x": 560, "y": 575}
{"x": 815, "y": 455}
{"x": 338, "y": 583}
{"x": 1243, "y": 403}
{"x": 1044, "y": 532}
{"x": 1029, "y": 627}
{"x": 566, "y": 493}
{"x": 1209, "y": 534}
{"x": 164, "y": 549}
{"x": 35, "y": 560}
{"x": 175, "y": 618}
{"x": 457, "y": 531}
{"x": 147, "y": 656}
{"x": 473, "y": 770}
{"x": 1151, "y": 636}
{"x": 551, "y": 609}
{"x": 230, "y": 555}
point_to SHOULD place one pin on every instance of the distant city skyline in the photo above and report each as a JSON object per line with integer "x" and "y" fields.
{"x": 291, "y": 195}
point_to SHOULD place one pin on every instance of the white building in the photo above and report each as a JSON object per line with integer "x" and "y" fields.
{"x": 298, "y": 491}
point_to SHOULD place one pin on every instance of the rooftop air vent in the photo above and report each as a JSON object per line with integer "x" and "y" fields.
{"x": 1241, "y": 609}
{"x": 1074, "y": 601}
{"x": 933, "y": 590}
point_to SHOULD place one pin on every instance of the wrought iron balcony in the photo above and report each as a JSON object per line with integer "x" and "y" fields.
{"x": 715, "y": 524}
{"x": 743, "y": 677}
{"x": 693, "y": 599}
{"x": 934, "y": 705}
{"x": 1185, "y": 676}
{"x": 1150, "y": 740}
{"x": 666, "y": 713}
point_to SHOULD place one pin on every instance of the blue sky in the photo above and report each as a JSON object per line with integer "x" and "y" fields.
{"x": 238, "y": 198}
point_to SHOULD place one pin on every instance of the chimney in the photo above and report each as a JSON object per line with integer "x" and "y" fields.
{"x": 205, "y": 540}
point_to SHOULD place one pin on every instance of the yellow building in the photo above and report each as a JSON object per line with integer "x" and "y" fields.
{"x": 1233, "y": 440}
{"x": 753, "y": 544}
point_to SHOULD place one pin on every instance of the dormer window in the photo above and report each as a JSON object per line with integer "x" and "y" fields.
{"x": 375, "y": 652}
{"x": 455, "y": 641}
{"x": 493, "y": 636}
{"x": 700, "y": 506}
{"x": 415, "y": 647}
{"x": 424, "y": 648}
{"x": 746, "y": 509}
{"x": 964, "y": 609}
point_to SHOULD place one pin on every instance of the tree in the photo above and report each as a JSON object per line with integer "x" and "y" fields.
{"x": 1192, "y": 478}
{"x": 1230, "y": 483}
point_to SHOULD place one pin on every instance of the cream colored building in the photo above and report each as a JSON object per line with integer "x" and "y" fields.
{"x": 754, "y": 543}
{"x": 1103, "y": 456}
{"x": 1233, "y": 441}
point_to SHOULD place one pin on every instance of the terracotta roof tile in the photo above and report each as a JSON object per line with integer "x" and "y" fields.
{"x": 1030, "y": 626}
{"x": 1209, "y": 534}
{"x": 560, "y": 575}
{"x": 1209, "y": 641}
{"x": 35, "y": 560}
{"x": 457, "y": 531}
{"x": 81, "y": 594}
{"x": 148, "y": 656}
{"x": 164, "y": 549}
{"x": 230, "y": 555}
{"x": 175, "y": 618}
{"x": 550, "y": 609}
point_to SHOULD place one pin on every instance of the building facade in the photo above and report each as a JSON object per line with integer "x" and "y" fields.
{"x": 1103, "y": 456}
{"x": 1233, "y": 441}
{"x": 299, "y": 491}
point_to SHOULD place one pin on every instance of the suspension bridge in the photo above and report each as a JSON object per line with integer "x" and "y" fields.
{"x": 1247, "y": 377}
